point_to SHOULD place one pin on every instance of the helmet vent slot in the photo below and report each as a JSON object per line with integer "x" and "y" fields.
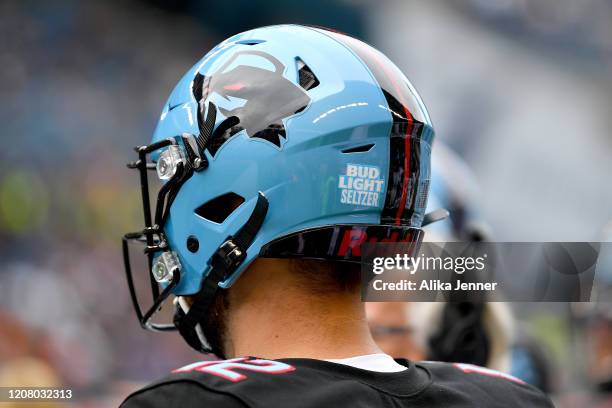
{"x": 359, "y": 149}
{"x": 219, "y": 208}
{"x": 307, "y": 78}
{"x": 250, "y": 42}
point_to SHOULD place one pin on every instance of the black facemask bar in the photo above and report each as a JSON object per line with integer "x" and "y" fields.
{"x": 152, "y": 235}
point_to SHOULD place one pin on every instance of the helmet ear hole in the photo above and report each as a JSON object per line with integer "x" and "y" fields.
{"x": 219, "y": 208}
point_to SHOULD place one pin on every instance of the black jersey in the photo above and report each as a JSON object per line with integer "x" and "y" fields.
{"x": 252, "y": 382}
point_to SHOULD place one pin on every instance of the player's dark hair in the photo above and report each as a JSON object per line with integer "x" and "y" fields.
{"x": 214, "y": 325}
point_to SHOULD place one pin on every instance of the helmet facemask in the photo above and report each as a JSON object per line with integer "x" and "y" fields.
{"x": 177, "y": 160}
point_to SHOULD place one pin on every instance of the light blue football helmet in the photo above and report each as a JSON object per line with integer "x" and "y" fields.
{"x": 283, "y": 141}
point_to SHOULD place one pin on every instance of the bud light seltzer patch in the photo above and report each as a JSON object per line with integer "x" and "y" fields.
{"x": 361, "y": 185}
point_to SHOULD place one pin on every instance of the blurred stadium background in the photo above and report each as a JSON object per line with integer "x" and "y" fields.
{"x": 521, "y": 89}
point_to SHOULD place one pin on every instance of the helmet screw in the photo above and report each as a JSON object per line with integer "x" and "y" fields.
{"x": 193, "y": 244}
{"x": 199, "y": 164}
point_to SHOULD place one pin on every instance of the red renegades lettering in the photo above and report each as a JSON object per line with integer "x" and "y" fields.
{"x": 352, "y": 239}
{"x": 224, "y": 368}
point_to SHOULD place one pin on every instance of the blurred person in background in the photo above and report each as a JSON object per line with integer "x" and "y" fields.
{"x": 595, "y": 318}
{"x": 467, "y": 332}
{"x": 477, "y": 332}
{"x": 454, "y": 332}
{"x": 393, "y": 326}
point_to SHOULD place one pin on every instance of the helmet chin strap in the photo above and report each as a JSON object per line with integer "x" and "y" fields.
{"x": 181, "y": 302}
{"x": 226, "y": 259}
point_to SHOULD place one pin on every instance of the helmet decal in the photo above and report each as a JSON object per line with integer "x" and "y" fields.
{"x": 361, "y": 185}
{"x": 269, "y": 98}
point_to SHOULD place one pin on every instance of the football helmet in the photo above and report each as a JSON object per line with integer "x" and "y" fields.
{"x": 283, "y": 141}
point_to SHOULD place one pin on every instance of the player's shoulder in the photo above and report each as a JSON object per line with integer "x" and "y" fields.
{"x": 486, "y": 384}
{"x": 210, "y": 383}
{"x": 254, "y": 382}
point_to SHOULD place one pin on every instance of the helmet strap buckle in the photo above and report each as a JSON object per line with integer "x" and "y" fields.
{"x": 230, "y": 254}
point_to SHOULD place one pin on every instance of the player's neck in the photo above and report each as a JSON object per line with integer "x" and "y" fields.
{"x": 275, "y": 332}
{"x": 293, "y": 324}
